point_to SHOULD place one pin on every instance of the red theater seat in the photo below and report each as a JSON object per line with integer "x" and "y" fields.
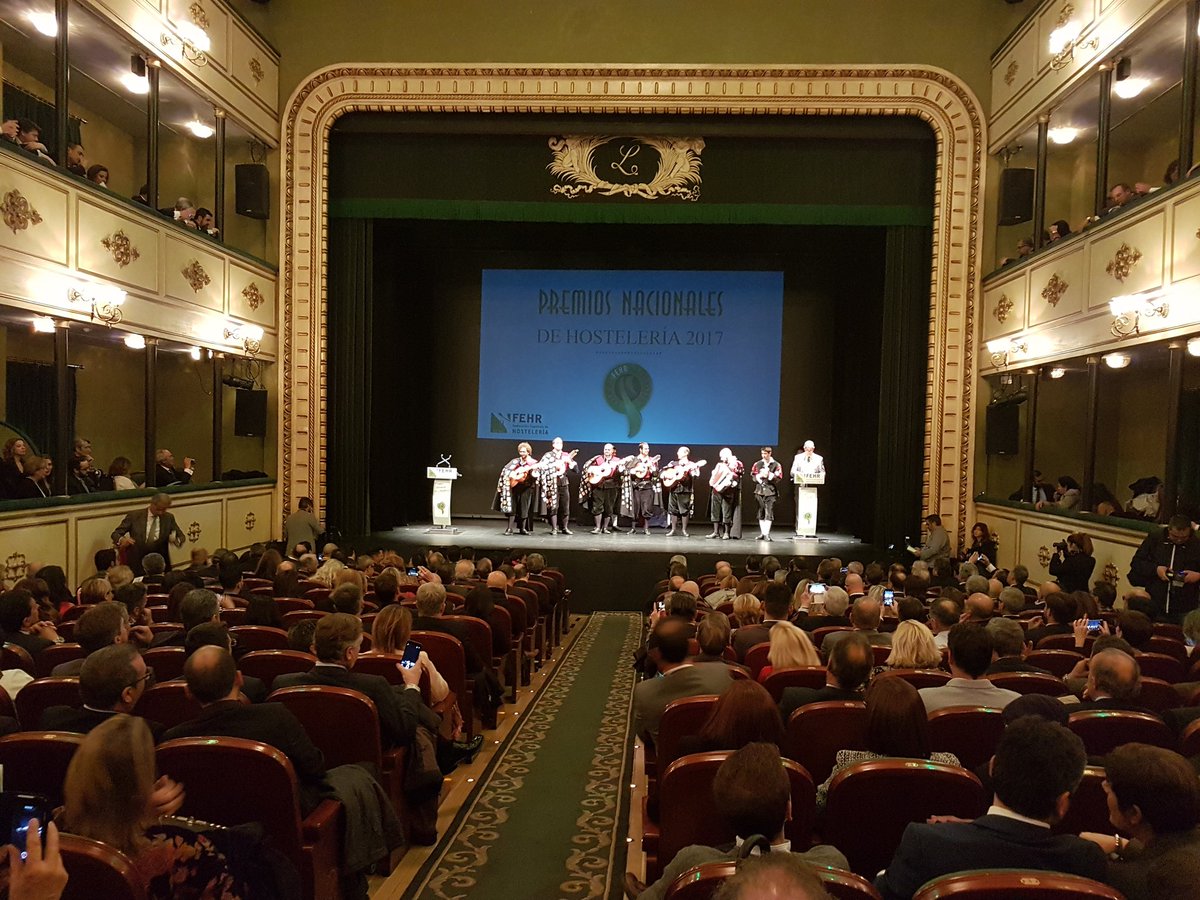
{"x": 1016, "y": 883}
{"x": 97, "y": 870}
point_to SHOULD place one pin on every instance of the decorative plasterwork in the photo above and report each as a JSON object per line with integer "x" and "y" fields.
{"x": 1111, "y": 573}
{"x": 932, "y": 95}
{"x": 250, "y": 521}
{"x": 256, "y": 69}
{"x": 120, "y": 247}
{"x": 1054, "y": 290}
{"x": 18, "y": 212}
{"x": 1010, "y": 74}
{"x": 1044, "y": 555}
{"x": 254, "y": 295}
{"x": 1123, "y": 262}
{"x": 198, "y": 16}
{"x": 650, "y": 167}
{"x": 15, "y": 567}
{"x": 193, "y": 532}
{"x": 193, "y": 273}
{"x": 1003, "y": 307}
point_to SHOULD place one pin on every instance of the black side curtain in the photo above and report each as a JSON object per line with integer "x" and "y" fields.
{"x": 902, "y": 412}
{"x": 347, "y": 464}
{"x": 1187, "y": 452}
{"x": 33, "y": 400}
{"x": 20, "y": 104}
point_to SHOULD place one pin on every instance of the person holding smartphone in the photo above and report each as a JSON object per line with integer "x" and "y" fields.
{"x": 165, "y": 472}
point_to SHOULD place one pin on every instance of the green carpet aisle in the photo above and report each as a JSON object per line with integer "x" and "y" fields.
{"x": 548, "y": 820}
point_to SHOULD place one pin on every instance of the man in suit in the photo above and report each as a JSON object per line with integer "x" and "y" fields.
{"x": 103, "y": 625}
{"x": 1037, "y": 766}
{"x": 752, "y": 793}
{"x": 865, "y": 616}
{"x": 165, "y": 472}
{"x": 823, "y": 610}
{"x": 20, "y": 623}
{"x": 1009, "y": 648}
{"x": 111, "y": 682}
{"x": 677, "y": 678}
{"x": 148, "y": 531}
{"x": 850, "y": 664}
{"x": 1062, "y": 611}
{"x": 336, "y": 644}
{"x": 776, "y": 600}
{"x": 215, "y": 683}
{"x": 1114, "y": 682}
{"x": 431, "y": 604}
{"x": 970, "y": 655}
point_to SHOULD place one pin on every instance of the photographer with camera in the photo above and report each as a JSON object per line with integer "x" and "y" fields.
{"x": 1167, "y": 565}
{"x": 1072, "y": 563}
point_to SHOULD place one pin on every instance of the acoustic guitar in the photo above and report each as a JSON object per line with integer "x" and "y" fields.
{"x": 642, "y": 468}
{"x": 559, "y": 468}
{"x": 601, "y": 471}
{"x": 521, "y": 473}
{"x": 675, "y": 472}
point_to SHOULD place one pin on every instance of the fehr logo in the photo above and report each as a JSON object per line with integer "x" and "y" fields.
{"x": 521, "y": 423}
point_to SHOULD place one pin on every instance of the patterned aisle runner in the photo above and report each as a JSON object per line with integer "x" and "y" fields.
{"x": 548, "y": 820}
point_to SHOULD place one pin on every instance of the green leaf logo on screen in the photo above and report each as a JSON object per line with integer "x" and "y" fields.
{"x": 498, "y": 427}
{"x": 627, "y": 390}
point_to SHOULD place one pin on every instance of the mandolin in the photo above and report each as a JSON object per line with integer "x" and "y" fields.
{"x": 675, "y": 472}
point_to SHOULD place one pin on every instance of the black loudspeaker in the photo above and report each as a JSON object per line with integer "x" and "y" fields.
{"x": 250, "y": 414}
{"x": 1004, "y": 429}
{"x": 1016, "y": 196}
{"x": 253, "y": 191}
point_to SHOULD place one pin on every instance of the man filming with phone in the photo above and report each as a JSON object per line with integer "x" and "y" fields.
{"x": 165, "y": 472}
{"x": 1167, "y": 565}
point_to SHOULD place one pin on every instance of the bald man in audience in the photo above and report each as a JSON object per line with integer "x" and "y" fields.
{"x": 979, "y": 609}
{"x": 1114, "y": 682}
{"x": 854, "y": 585}
{"x": 865, "y": 616}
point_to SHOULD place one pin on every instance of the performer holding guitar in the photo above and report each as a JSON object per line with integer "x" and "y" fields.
{"x": 767, "y": 475}
{"x": 725, "y": 482}
{"x": 515, "y": 491}
{"x": 676, "y": 480}
{"x": 556, "y": 488}
{"x": 599, "y": 488}
{"x": 640, "y": 491}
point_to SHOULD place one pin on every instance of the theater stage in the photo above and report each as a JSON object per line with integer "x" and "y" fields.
{"x": 617, "y": 571}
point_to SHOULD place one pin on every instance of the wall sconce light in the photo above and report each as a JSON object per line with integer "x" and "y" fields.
{"x": 1005, "y": 351}
{"x": 43, "y": 325}
{"x": 194, "y": 353}
{"x": 249, "y": 337}
{"x": 1117, "y": 360}
{"x": 135, "y": 342}
{"x": 1065, "y": 38}
{"x": 102, "y": 302}
{"x": 194, "y": 42}
{"x": 1057, "y": 372}
{"x": 1193, "y": 346}
{"x": 45, "y": 23}
{"x": 1063, "y": 134}
{"x": 1129, "y": 310}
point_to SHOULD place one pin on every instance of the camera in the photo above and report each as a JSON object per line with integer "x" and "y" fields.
{"x": 1061, "y": 546}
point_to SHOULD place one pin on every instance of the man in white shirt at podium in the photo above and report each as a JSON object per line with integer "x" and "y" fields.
{"x": 805, "y": 464}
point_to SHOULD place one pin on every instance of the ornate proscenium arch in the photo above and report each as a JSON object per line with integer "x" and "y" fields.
{"x": 933, "y": 95}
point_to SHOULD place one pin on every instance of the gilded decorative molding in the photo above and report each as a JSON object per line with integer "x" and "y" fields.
{"x": 193, "y": 532}
{"x": 933, "y": 96}
{"x": 16, "y": 567}
{"x": 1010, "y": 74}
{"x": 120, "y": 247}
{"x": 18, "y": 212}
{"x": 256, "y": 69}
{"x": 198, "y": 16}
{"x": 1123, "y": 262}
{"x": 1111, "y": 573}
{"x": 250, "y": 521}
{"x": 194, "y": 274}
{"x": 254, "y": 295}
{"x": 1044, "y": 555}
{"x": 674, "y": 164}
{"x": 1002, "y": 308}
{"x": 1054, "y": 290}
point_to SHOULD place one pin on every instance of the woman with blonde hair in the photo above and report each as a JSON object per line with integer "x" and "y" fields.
{"x": 790, "y": 649}
{"x": 747, "y": 610}
{"x": 328, "y": 572}
{"x": 913, "y": 647}
{"x": 111, "y": 796}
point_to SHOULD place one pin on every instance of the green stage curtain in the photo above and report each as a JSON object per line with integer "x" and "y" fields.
{"x": 20, "y": 104}
{"x": 32, "y": 402}
{"x": 902, "y": 412}
{"x": 351, "y": 296}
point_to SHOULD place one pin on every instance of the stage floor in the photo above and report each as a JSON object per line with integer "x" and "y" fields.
{"x": 618, "y": 571}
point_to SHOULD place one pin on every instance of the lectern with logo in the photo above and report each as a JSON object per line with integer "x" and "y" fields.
{"x": 806, "y": 504}
{"x": 443, "y": 476}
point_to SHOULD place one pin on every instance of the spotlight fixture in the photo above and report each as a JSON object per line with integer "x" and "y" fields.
{"x": 45, "y": 23}
{"x": 200, "y": 129}
{"x": 1193, "y": 346}
{"x": 135, "y": 342}
{"x": 1130, "y": 309}
{"x": 135, "y": 84}
{"x": 1063, "y": 134}
{"x": 1117, "y": 360}
{"x": 248, "y": 336}
{"x": 194, "y": 353}
{"x": 1057, "y": 372}
{"x": 1130, "y": 87}
{"x": 102, "y": 302}
{"x": 43, "y": 325}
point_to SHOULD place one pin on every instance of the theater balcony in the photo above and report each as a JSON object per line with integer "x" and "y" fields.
{"x": 1090, "y": 330}
{"x": 137, "y": 268}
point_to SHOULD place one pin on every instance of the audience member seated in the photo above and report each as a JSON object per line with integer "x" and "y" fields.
{"x": 1009, "y": 648}
{"x": 112, "y": 796}
{"x": 119, "y": 471}
{"x": 200, "y": 605}
{"x": 101, "y": 626}
{"x": 371, "y": 829}
{"x": 35, "y": 485}
{"x": 1061, "y": 610}
{"x": 1114, "y": 682}
{"x": 300, "y": 635}
{"x": 165, "y": 472}
{"x": 1067, "y": 496}
{"x": 913, "y": 647}
{"x": 98, "y": 175}
{"x": 790, "y": 649}
{"x": 431, "y": 607}
{"x": 78, "y": 480}
{"x": 865, "y": 616}
{"x": 1154, "y": 804}
{"x": 21, "y": 623}
{"x": 751, "y": 791}
{"x": 389, "y": 634}
{"x": 823, "y": 610}
{"x": 776, "y": 601}
{"x": 1012, "y": 600}
{"x": 712, "y": 634}
{"x": 897, "y": 728}
{"x": 667, "y": 647}
{"x": 111, "y": 682}
{"x": 1037, "y": 767}
{"x": 743, "y": 715}
{"x": 850, "y": 664}
{"x": 943, "y": 615}
{"x": 979, "y": 606}
{"x": 969, "y": 658}
{"x": 747, "y": 610}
